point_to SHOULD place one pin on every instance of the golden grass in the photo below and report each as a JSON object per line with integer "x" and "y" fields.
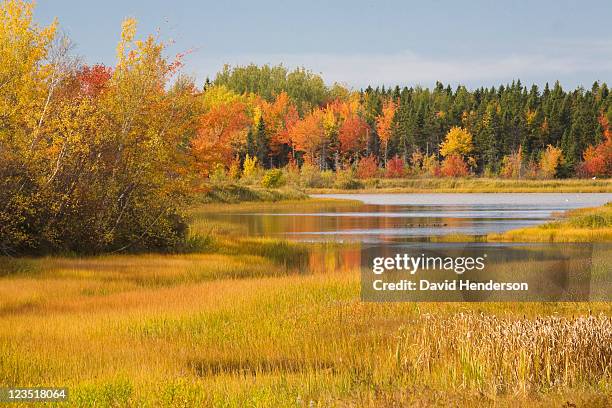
{"x": 286, "y": 205}
{"x": 117, "y": 339}
{"x": 478, "y": 185}
{"x": 244, "y": 326}
{"x": 580, "y": 225}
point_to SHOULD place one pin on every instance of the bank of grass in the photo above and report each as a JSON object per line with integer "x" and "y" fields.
{"x": 475, "y": 185}
{"x": 238, "y": 193}
{"x": 580, "y": 225}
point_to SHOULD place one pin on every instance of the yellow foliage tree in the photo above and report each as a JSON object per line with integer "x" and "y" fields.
{"x": 384, "y": 124}
{"x": 458, "y": 141}
{"x": 84, "y": 170}
{"x": 550, "y": 160}
{"x": 249, "y": 167}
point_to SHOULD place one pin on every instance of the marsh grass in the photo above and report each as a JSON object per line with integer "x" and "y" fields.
{"x": 236, "y": 193}
{"x": 289, "y": 340}
{"x": 507, "y": 355}
{"x": 478, "y": 185}
{"x": 580, "y": 225}
{"x": 240, "y": 325}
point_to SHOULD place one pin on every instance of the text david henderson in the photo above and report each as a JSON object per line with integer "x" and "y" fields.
{"x": 447, "y": 285}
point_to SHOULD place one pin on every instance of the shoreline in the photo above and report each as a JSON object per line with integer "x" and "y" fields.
{"x": 471, "y": 185}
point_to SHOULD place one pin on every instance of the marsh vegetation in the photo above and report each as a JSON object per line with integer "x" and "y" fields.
{"x": 244, "y": 321}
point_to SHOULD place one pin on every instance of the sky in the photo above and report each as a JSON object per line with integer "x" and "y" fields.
{"x": 359, "y": 43}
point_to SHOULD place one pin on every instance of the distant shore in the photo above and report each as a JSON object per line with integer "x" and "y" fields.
{"x": 474, "y": 185}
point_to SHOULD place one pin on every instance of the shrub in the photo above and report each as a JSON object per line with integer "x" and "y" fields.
{"x": 218, "y": 175}
{"x": 292, "y": 175}
{"x": 310, "y": 176}
{"x": 328, "y": 177}
{"x": 454, "y": 166}
{"x": 395, "y": 168}
{"x": 234, "y": 170}
{"x": 367, "y": 167}
{"x": 512, "y": 165}
{"x": 597, "y": 161}
{"x": 431, "y": 166}
{"x": 416, "y": 162}
{"x": 249, "y": 167}
{"x": 345, "y": 179}
{"x": 273, "y": 178}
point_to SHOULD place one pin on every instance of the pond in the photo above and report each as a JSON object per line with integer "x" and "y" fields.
{"x": 405, "y": 217}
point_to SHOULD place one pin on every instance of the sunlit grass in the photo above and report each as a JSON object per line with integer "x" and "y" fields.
{"x": 480, "y": 185}
{"x": 282, "y": 206}
{"x": 277, "y": 340}
{"x": 580, "y": 225}
{"x": 245, "y": 324}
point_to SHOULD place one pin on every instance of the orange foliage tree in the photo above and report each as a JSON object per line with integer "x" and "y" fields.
{"x": 512, "y": 164}
{"x": 353, "y": 134}
{"x": 220, "y": 129}
{"x": 307, "y": 136}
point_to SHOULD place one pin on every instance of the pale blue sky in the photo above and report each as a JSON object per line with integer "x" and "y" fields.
{"x": 363, "y": 42}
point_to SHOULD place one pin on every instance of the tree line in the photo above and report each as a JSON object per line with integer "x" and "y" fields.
{"x": 408, "y": 125}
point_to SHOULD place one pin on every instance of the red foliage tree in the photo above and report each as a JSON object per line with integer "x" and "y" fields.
{"x": 367, "y": 167}
{"x": 395, "y": 167}
{"x": 454, "y": 166}
{"x": 92, "y": 80}
{"x": 598, "y": 159}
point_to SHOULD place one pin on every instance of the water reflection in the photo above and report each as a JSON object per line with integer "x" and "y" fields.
{"x": 399, "y": 219}
{"x": 392, "y": 217}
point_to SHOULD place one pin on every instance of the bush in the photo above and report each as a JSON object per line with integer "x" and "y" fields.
{"x": 454, "y": 166}
{"x": 395, "y": 168}
{"x": 345, "y": 179}
{"x": 273, "y": 178}
{"x": 431, "y": 166}
{"x": 249, "y": 167}
{"x": 234, "y": 170}
{"x": 218, "y": 175}
{"x": 328, "y": 178}
{"x": 512, "y": 165}
{"x": 310, "y": 176}
{"x": 367, "y": 167}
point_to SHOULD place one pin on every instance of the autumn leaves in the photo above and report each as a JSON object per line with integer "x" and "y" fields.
{"x": 92, "y": 159}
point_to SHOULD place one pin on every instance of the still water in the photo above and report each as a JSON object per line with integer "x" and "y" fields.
{"x": 404, "y": 217}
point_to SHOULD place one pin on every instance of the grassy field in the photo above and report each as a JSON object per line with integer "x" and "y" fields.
{"x": 242, "y": 324}
{"x": 476, "y": 185}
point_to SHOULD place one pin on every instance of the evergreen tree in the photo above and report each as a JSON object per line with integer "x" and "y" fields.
{"x": 261, "y": 145}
